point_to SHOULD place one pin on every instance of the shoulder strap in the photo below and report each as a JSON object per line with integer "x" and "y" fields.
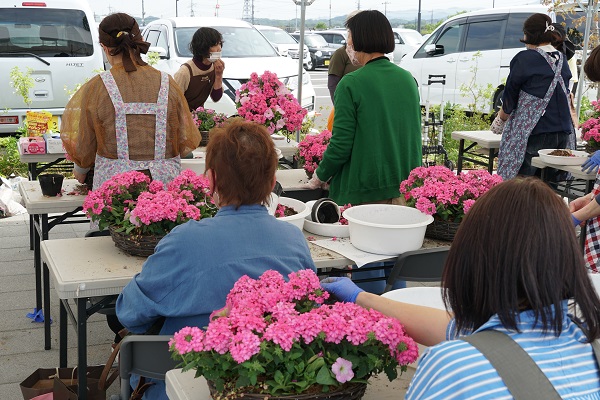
{"x": 521, "y": 375}
{"x": 105, "y": 379}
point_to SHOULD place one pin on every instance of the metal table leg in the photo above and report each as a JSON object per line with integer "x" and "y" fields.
{"x": 37, "y": 262}
{"x": 491, "y": 161}
{"x": 461, "y": 150}
{"x": 62, "y": 344}
{"x": 46, "y": 284}
{"x": 32, "y": 172}
{"x": 82, "y": 348}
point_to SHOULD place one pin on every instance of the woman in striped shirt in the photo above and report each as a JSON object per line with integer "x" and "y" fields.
{"x": 514, "y": 267}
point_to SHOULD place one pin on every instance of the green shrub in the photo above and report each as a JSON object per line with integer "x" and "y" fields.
{"x": 9, "y": 158}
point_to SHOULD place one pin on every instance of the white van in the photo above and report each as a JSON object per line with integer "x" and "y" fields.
{"x": 451, "y": 48}
{"x": 52, "y": 38}
{"x": 245, "y": 51}
{"x": 405, "y": 40}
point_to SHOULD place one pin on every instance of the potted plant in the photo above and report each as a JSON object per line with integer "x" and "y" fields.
{"x": 138, "y": 212}
{"x": 205, "y": 120}
{"x": 311, "y": 150}
{"x": 278, "y": 338}
{"x": 266, "y": 100}
{"x": 439, "y": 192}
{"x": 590, "y": 129}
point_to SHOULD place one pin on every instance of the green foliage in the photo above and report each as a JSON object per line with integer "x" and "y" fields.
{"x": 152, "y": 58}
{"x": 480, "y": 96}
{"x": 9, "y": 158}
{"x": 320, "y": 26}
{"x": 22, "y": 82}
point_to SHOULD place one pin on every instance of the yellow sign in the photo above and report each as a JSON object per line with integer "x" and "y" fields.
{"x": 54, "y": 124}
{"x": 37, "y": 122}
{"x": 326, "y": 62}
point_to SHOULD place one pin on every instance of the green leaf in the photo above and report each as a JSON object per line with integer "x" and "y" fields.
{"x": 278, "y": 377}
{"x": 325, "y": 376}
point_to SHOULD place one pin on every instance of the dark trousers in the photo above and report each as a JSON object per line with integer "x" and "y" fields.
{"x": 553, "y": 140}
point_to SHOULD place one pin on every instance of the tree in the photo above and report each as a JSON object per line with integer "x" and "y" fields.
{"x": 320, "y": 26}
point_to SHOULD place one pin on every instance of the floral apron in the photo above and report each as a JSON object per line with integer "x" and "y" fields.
{"x": 161, "y": 168}
{"x": 523, "y": 119}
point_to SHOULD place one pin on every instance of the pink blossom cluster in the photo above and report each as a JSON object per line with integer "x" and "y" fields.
{"x": 135, "y": 204}
{"x": 267, "y": 101}
{"x": 311, "y": 150}
{"x": 344, "y": 221}
{"x": 438, "y": 191}
{"x": 590, "y": 129}
{"x": 206, "y": 118}
{"x": 270, "y": 309}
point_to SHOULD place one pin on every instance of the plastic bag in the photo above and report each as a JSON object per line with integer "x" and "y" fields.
{"x": 10, "y": 200}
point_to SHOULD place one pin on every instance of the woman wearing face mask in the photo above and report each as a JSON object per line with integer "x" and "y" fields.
{"x": 376, "y": 137}
{"x": 202, "y": 76}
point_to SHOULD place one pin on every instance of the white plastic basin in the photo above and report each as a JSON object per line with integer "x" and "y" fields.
{"x": 421, "y": 296}
{"x": 299, "y": 206}
{"x": 386, "y": 229}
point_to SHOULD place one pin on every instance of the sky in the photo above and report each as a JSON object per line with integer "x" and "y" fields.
{"x": 283, "y": 9}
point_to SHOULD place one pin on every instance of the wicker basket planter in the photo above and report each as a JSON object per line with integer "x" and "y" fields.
{"x": 134, "y": 245}
{"x": 442, "y": 230}
{"x": 348, "y": 391}
{"x": 205, "y": 137}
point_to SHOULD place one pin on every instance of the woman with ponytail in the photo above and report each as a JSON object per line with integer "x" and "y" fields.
{"x": 132, "y": 117}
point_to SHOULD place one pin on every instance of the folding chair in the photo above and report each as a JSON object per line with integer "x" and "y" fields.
{"x": 144, "y": 355}
{"x": 423, "y": 265}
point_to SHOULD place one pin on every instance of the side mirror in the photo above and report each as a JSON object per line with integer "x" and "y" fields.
{"x": 434, "y": 49}
{"x": 343, "y": 41}
{"x": 396, "y": 40}
{"x": 162, "y": 53}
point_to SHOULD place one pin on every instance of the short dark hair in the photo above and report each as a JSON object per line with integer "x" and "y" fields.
{"x": 204, "y": 38}
{"x": 516, "y": 250}
{"x": 243, "y": 157}
{"x": 592, "y": 65}
{"x": 371, "y": 32}
{"x": 536, "y": 29}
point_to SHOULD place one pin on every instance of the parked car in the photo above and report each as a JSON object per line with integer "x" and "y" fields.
{"x": 484, "y": 41}
{"x": 320, "y": 50}
{"x": 245, "y": 51}
{"x": 285, "y": 44}
{"x": 337, "y": 38}
{"x": 406, "y": 40}
{"x": 53, "y": 41}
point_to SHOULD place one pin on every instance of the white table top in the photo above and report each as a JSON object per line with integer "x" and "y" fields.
{"x": 84, "y": 267}
{"x": 485, "y": 139}
{"x": 37, "y": 203}
{"x": 575, "y": 170}
{"x": 39, "y": 158}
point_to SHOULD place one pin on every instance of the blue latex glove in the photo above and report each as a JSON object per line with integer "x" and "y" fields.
{"x": 592, "y": 163}
{"x": 343, "y": 288}
{"x": 576, "y": 222}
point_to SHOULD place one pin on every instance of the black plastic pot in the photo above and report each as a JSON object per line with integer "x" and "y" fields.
{"x": 325, "y": 211}
{"x": 51, "y": 184}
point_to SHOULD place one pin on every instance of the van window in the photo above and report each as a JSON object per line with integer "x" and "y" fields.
{"x": 46, "y": 32}
{"x": 514, "y": 31}
{"x": 450, "y": 38}
{"x": 238, "y": 42}
{"x": 484, "y": 35}
{"x": 398, "y": 38}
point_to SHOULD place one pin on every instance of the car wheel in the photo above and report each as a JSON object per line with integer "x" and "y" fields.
{"x": 313, "y": 64}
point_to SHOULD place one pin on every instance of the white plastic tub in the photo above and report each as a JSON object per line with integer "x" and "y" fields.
{"x": 386, "y": 229}
{"x": 300, "y": 207}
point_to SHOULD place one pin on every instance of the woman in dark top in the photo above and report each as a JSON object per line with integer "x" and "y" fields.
{"x": 535, "y": 104}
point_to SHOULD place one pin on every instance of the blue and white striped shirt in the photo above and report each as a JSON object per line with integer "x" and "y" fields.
{"x": 456, "y": 370}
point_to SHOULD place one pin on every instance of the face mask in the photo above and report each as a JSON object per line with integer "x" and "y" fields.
{"x": 352, "y": 55}
{"x": 214, "y": 56}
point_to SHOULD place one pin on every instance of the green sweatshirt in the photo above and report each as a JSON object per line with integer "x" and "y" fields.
{"x": 376, "y": 139}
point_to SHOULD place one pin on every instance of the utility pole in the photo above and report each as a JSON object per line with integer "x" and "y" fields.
{"x": 246, "y": 14}
{"x": 329, "y": 14}
{"x": 252, "y": 12}
{"x": 385, "y": 3}
{"x": 176, "y": 13}
{"x": 358, "y": 5}
{"x": 217, "y": 9}
{"x": 419, "y": 18}
{"x": 191, "y": 8}
{"x": 143, "y": 14}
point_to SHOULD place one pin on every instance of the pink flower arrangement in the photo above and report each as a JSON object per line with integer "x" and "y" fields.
{"x": 266, "y": 100}
{"x": 590, "y": 129}
{"x": 440, "y": 192}
{"x": 311, "y": 150}
{"x": 206, "y": 119}
{"x": 134, "y": 204}
{"x": 282, "y": 334}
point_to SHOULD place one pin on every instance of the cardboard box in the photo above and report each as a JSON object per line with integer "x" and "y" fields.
{"x": 32, "y": 145}
{"x": 54, "y": 144}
